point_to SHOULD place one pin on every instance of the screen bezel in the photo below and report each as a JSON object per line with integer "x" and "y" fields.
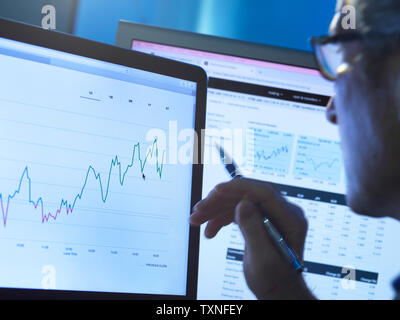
{"x": 66, "y": 43}
{"x": 130, "y": 31}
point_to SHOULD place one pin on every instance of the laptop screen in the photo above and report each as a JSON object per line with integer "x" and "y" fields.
{"x": 88, "y": 197}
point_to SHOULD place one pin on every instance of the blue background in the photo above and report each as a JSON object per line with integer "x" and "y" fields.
{"x": 285, "y": 23}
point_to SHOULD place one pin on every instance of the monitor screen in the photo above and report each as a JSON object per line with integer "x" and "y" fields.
{"x": 271, "y": 118}
{"x": 88, "y": 198}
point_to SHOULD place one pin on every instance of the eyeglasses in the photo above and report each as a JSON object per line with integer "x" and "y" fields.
{"x": 330, "y": 55}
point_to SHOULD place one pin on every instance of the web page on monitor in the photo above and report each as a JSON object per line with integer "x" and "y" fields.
{"x": 271, "y": 118}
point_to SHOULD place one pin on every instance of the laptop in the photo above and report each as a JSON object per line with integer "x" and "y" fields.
{"x": 94, "y": 200}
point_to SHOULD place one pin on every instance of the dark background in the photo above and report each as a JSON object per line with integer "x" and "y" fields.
{"x": 284, "y": 23}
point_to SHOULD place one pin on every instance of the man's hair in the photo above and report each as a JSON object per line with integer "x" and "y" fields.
{"x": 378, "y": 16}
{"x": 379, "y": 19}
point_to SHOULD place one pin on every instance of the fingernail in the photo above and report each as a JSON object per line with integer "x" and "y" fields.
{"x": 192, "y": 219}
{"x": 196, "y": 206}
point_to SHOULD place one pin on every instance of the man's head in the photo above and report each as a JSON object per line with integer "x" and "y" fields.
{"x": 367, "y": 106}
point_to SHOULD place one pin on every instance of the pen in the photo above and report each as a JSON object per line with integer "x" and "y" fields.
{"x": 277, "y": 239}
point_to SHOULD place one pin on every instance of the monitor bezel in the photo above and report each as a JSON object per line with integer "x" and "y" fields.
{"x": 128, "y": 32}
{"x": 86, "y": 48}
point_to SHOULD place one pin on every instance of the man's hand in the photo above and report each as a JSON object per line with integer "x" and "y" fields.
{"x": 267, "y": 273}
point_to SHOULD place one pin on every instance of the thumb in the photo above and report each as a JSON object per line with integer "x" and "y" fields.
{"x": 251, "y": 224}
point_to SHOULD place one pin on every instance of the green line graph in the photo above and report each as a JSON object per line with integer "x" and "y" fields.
{"x": 153, "y": 151}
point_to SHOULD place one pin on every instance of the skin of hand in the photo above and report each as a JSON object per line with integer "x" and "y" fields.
{"x": 267, "y": 273}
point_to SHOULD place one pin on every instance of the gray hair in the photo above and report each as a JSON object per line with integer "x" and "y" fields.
{"x": 378, "y": 16}
{"x": 382, "y": 18}
{"x": 379, "y": 20}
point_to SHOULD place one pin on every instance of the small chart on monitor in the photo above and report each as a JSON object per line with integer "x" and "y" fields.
{"x": 318, "y": 158}
{"x": 270, "y": 150}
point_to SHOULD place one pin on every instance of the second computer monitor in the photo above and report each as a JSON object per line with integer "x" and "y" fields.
{"x": 267, "y": 107}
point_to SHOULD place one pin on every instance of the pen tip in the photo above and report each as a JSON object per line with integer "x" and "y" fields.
{"x": 220, "y": 150}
